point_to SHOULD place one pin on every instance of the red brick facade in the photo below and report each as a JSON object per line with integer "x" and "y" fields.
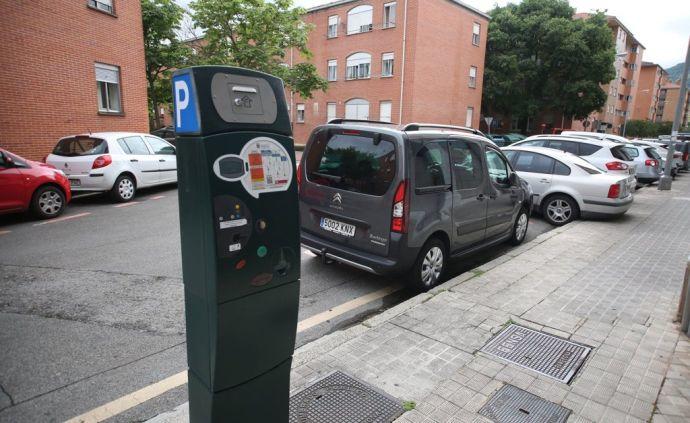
{"x": 652, "y": 78}
{"x": 439, "y": 52}
{"x": 49, "y": 51}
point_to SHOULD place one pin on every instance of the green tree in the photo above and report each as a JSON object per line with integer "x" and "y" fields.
{"x": 164, "y": 51}
{"x": 257, "y": 34}
{"x": 539, "y": 58}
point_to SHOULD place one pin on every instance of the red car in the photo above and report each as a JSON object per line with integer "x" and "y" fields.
{"x": 25, "y": 184}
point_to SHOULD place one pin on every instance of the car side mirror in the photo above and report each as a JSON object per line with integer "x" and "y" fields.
{"x": 513, "y": 179}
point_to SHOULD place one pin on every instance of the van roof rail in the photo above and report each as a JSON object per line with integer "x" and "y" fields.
{"x": 415, "y": 126}
{"x": 338, "y": 121}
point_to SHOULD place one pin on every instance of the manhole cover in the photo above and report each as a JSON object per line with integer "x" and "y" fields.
{"x": 513, "y": 405}
{"x": 546, "y": 354}
{"x": 341, "y": 398}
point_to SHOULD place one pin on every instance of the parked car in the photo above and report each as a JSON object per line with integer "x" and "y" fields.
{"x": 662, "y": 151}
{"x": 597, "y": 136}
{"x": 566, "y": 186}
{"x": 503, "y": 140}
{"x": 166, "y": 132}
{"x": 115, "y": 162}
{"x": 647, "y": 163}
{"x": 389, "y": 199}
{"x": 608, "y": 156}
{"x": 29, "y": 185}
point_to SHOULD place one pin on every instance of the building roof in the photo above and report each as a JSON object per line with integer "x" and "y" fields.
{"x": 341, "y": 2}
{"x": 612, "y": 20}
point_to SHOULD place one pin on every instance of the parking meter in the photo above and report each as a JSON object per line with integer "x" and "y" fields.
{"x": 240, "y": 241}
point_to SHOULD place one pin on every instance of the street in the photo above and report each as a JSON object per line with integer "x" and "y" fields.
{"x": 92, "y": 305}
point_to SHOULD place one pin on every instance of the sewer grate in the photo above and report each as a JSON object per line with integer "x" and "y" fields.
{"x": 342, "y": 398}
{"x": 546, "y": 354}
{"x": 511, "y": 404}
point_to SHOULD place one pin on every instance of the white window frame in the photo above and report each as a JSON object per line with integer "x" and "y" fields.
{"x": 469, "y": 116}
{"x": 358, "y": 66}
{"x": 102, "y": 5}
{"x": 332, "y": 31}
{"x": 359, "y": 19}
{"x": 387, "y": 64}
{"x": 357, "y": 105}
{"x": 332, "y": 72}
{"x": 473, "y": 77}
{"x": 331, "y": 111}
{"x": 383, "y": 115}
{"x": 108, "y": 81}
{"x": 389, "y": 17}
{"x": 300, "y": 113}
{"x": 476, "y": 33}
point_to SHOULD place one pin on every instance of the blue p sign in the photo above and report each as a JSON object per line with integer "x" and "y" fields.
{"x": 186, "y": 113}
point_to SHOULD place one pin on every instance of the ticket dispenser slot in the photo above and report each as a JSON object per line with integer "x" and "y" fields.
{"x": 239, "y": 226}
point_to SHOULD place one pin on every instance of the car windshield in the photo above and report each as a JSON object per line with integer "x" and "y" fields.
{"x": 80, "y": 146}
{"x": 352, "y": 161}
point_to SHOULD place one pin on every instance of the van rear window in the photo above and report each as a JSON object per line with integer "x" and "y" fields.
{"x": 620, "y": 153}
{"x": 79, "y": 146}
{"x": 352, "y": 162}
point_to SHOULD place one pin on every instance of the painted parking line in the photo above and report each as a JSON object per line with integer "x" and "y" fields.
{"x": 62, "y": 219}
{"x": 4, "y": 232}
{"x": 122, "y": 404}
{"x": 158, "y": 197}
{"x": 131, "y": 203}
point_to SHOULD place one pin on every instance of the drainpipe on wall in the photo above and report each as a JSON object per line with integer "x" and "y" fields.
{"x": 402, "y": 70}
{"x": 292, "y": 92}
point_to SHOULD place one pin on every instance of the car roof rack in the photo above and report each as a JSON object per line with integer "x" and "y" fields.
{"x": 339, "y": 121}
{"x": 415, "y": 126}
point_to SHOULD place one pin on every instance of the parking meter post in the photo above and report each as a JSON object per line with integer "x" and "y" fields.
{"x": 684, "y": 304}
{"x": 665, "y": 182}
{"x": 240, "y": 253}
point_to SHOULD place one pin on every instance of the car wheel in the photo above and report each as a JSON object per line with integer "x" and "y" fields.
{"x": 48, "y": 202}
{"x": 123, "y": 189}
{"x": 520, "y": 228}
{"x": 430, "y": 265}
{"x": 559, "y": 210}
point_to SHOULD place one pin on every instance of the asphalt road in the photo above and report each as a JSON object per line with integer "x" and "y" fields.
{"x": 92, "y": 305}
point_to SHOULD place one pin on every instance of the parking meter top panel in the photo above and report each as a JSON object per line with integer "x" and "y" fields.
{"x": 214, "y": 99}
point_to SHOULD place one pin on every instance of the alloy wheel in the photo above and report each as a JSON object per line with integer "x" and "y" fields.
{"x": 559, "y": 211}
{"x": 50, "y": 202}
{"x": 432, "y": 266}
{"x": 521, "y": 227}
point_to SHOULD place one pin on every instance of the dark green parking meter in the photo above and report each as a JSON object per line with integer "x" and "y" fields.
{"x": 240, "y": 242}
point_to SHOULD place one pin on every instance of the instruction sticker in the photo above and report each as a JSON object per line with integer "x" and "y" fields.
{"x": 262, "y": 166}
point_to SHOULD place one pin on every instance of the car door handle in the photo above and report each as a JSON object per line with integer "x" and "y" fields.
{"x": 161, "y": 160}
{"x": 481, "y": 197}
{"x": 133, "y": 160}
{"x": 544, "y": 181}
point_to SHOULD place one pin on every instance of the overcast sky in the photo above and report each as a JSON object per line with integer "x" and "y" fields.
{"x": 662, "y": 26}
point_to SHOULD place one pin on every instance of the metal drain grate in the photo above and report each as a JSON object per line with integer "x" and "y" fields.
{"x": 546, "y": 354}
{"x": 513, "y": 405}
{"x": 339, "y": 398}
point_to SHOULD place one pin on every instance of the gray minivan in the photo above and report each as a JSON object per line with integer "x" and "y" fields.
{"x": 389, "y": 199}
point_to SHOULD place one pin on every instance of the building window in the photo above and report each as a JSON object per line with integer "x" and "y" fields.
{"x": 387, "y": 64}
{"x": 389, "y": 15}
{"x": 469, "y": 116}
{"x": 357, "y": 108}
{"x": 330, "y": 111}
{"x": 332, "y": 70}
{"x": 476, "y": 30}
{"x": 104, "y": 5}
{"x": 385, "y": 110}
{"x": 473, "y": 77}
{"x": 359, "y": 66}
{"x": 359, "y": 19}
{"x": 300, "y": 113}
{"x": 332, "y": 26}
{"x": 108, "y": 84}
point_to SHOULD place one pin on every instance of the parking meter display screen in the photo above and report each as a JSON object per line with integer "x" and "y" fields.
{"x": 231, "y": 167}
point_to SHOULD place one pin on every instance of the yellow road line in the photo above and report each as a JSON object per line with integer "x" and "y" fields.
{"x": 62, "y": 219}
{"x": 120, "y": 405}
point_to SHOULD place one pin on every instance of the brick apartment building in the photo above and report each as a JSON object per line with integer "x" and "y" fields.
{"x": 669, "y": 95}
{"x": 396, "y": 61}
{"x": 652, "y": 78}
{"x": 69, "y": 67}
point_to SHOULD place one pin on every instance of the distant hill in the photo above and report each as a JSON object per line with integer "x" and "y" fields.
{"x": 674, "y": 73}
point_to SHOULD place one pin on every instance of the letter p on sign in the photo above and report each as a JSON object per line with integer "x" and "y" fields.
{"x": 186, "y": 114}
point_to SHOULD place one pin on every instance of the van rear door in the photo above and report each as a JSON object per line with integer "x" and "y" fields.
{"x": 350, "y": 179}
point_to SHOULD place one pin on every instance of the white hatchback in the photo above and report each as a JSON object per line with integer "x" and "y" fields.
{"x": 115, "y": 162}
{"x": 566, "y": 186}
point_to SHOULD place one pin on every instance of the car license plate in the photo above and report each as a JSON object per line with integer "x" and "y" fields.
{"x": 341, "y": 228}
{"x": 74, "y": 183}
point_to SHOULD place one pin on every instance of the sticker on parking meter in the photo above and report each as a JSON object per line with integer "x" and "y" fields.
{"x": 262, "y": 166}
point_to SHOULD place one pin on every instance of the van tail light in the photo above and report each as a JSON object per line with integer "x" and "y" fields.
{"x": 102, "y": 161}
{"x": 616, "y": 166}
{"x": 299, "y": 176}
{"x": 650, "y": 162}
{"x": 400, "y": 205}
{"x": 614, "y": 191}
{"x": 685, "y": 157}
